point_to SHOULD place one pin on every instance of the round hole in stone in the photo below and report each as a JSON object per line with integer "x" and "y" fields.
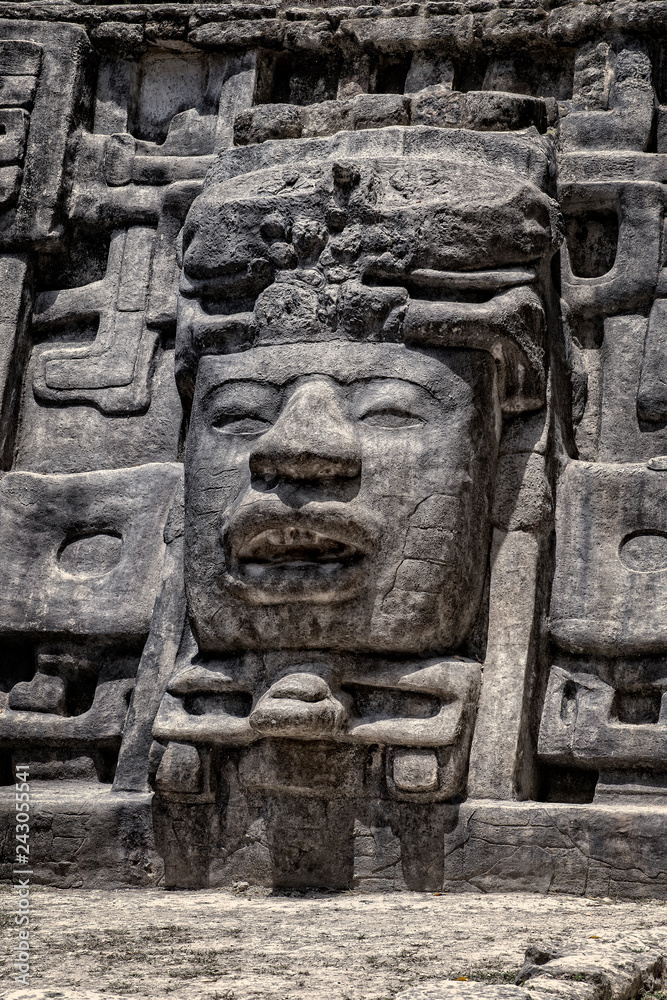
{"x": 644, "y": 551}
{"x": 91, "y": 553}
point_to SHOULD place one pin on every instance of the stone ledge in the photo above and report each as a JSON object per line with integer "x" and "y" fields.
{"x": 84, "y": 835}
{"x": 592, "y": 850}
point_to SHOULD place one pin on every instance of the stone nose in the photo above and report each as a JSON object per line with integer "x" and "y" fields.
{"x": 312, "y": 439}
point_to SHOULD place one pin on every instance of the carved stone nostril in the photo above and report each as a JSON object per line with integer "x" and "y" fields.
{"x": 301, "y": 687}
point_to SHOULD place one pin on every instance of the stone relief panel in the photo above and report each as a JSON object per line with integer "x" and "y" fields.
{"x": 332, "y": 431}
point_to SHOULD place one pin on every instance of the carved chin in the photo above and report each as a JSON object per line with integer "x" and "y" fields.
{"x": 296, "y": 564}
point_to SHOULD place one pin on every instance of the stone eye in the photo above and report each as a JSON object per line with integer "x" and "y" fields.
{"x": 392, "y": 417}
{"x": 236, "y": 423}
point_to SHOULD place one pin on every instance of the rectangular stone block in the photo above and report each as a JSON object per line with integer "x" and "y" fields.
{"x": 611, "y": 557}
{"x": 82, "y": 553}
{"x": 601, "y": 848}
{"x": 17, "y": 91}
{"x": 20, "y": 58}
{"x": 116, "y": 847}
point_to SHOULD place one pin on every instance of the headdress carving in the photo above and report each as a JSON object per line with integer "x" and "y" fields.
{"x": 423, "y": 236}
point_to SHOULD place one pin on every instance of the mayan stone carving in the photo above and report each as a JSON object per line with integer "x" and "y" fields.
{"x": 333, "y": 502}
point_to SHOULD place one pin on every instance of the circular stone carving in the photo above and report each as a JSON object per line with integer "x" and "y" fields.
{"x": 644, "y": 551}
{"x": 91, "y": 555}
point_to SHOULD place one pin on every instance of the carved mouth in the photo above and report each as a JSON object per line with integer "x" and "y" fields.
{"x": 297, "y": 548}
{"x": 296, "y": 562}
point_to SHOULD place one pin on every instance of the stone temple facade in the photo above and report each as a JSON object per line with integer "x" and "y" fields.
{"x": 333, "y": 428}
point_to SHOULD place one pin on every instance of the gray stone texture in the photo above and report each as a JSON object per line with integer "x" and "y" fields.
{"x": 333, "y": 367}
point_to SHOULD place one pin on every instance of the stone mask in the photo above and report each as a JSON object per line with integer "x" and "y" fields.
{"x": 339, "y": 498}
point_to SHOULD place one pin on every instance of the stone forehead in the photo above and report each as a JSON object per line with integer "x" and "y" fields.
{"x": 470, "y": 202}
{"x": 437, "y": 370}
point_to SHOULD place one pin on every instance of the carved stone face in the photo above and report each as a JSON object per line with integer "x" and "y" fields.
{"x": 337, "y": 496}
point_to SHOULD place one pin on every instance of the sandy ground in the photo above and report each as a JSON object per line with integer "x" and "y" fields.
{"x": 221, "y": 945}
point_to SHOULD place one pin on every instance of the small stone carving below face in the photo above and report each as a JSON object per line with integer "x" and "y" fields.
{"x": 337, "y": 496}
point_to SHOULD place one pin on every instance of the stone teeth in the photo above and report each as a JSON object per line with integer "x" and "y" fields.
{"x": 307, "y": 543}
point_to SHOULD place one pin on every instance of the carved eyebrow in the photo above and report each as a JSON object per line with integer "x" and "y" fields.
{"x": 219, "y": 386}
{"x": 365, "y": 380}
{"x": 376, "y": 381}
{"x": 352, "y": 380}
{"x": 373, "y": 380}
